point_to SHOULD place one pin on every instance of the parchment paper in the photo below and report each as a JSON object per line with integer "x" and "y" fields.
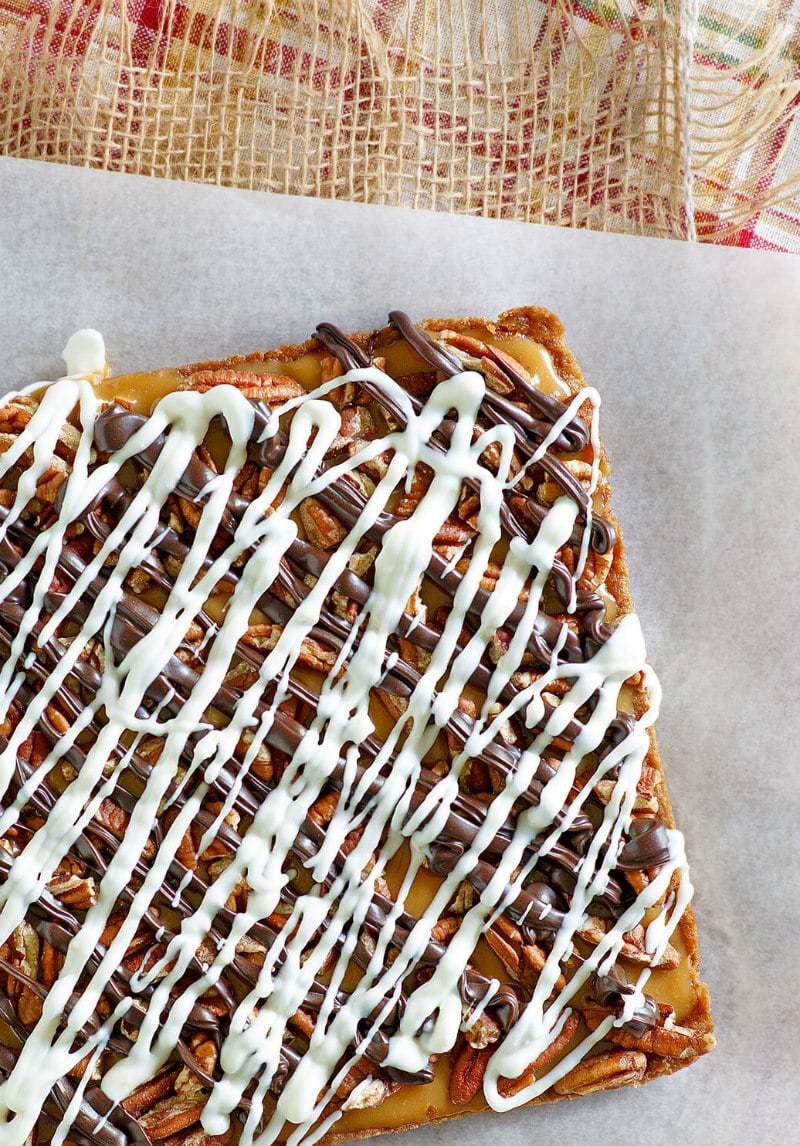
{"x": 697, "y": 354}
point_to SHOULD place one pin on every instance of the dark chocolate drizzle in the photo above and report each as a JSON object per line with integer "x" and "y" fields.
{"x": 610, "y": 991}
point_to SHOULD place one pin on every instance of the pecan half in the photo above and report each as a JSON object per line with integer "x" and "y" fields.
{"x": 509, "y": 1086}
{"x": 665, "y": 1039}
{"x": 468, "y": 1069}
{"x": 603, "y": 1072}
{"x": 270, "y": 388}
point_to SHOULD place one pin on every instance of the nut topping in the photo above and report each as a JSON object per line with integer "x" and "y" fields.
{"x": 603, "y": 1072}
{"x": 466, "y": 1076}
{"x": 326, "y": 746}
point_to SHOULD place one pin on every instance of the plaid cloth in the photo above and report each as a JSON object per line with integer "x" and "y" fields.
{"x": 74, "y": 77}
{"x": 731, "y": 40}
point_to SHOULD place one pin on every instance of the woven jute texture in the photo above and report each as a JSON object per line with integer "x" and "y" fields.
{"x": 604, "y": 116}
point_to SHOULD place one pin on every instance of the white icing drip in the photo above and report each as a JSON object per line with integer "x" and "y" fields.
{"x": 85, "y": 353}
{"x": 328, "y": 918}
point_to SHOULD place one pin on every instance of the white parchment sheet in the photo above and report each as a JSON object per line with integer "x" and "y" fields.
{"x": 696, "y": 352}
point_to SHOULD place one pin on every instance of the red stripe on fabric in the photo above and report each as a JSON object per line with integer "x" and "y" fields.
{"x": 760, "y": 244}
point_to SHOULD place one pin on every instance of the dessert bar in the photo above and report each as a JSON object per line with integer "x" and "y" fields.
{"x": 330, "y": 798}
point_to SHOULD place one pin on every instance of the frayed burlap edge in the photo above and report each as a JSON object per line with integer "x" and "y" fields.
{"x": 528, "y": 111}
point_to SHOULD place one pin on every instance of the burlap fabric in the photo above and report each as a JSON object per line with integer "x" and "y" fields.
{"x": 658, "y": 118}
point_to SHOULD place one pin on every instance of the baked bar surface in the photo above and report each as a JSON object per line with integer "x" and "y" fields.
{"x": 331, "y": 802}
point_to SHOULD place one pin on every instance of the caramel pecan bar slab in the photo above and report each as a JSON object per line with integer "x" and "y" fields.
{"x": 330, "y": 799}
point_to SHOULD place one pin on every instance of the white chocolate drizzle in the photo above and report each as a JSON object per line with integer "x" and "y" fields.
{"x": 330, "y": 915}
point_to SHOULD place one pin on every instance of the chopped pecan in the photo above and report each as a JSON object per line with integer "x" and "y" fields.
{"x": 468, "y": 346}
{"x": 73, "y": 890}
{"x": 362, "y": 1088}
{"x": 320, "y": 525}
{"x": 189, "y": 511}
{"x": 445, "y": 928}
{"x": 199, "y": 1137}
{"x": 463, "y": 900}
{"x": 69, "y": 439}
{"x": 411, "y": 498}
{"x": 57, "y": 719}
{"x": 452, "y": 532}
{"x": 348, "y": 392}
{"x": 646, "y": 802}
{"x": 21, "y": 952}
{"x": 394, "y": 705}
{"x": 217, "y": 848}
{"x": 15, "y": 415}
{"x": 357, "y": 423}
{"x": 493, "y": 454}
{"x": 50, "y": 482}
{"x": 523, "y": 961}
{"x": 187, "y": 852}
{"x": 496, "y": 379}
{"x": 468, "y": 509}
{"x": 375, "y": 467}
{"x": 322, "y": 810}
{"x": 50, "y": 963}
{"x": 640, "y": 880}
{"x": 595, "y": 570}
{"x": 146, "y": 1096}
{"x": 370, "y": 1092}
{"x": 171, "y": 1116}
{"x": 263, "y": 637}
{"x": 204, "y": 1049}
{"x": 594, "y": 929}
{"x": 646, "y": 799}
{"x": 261, "y": 764}
{"x": 145, "y": 960}
{"x": 330, "y": 368}
{"x": 112, "y": 817}
{"x": 633, "y": 949}
{"x": 78, "y": 1071}
{"x": 304, "y": 1022}
{"x": 476, "y": 355}
{"x": 187, "y": 1084}
{"x": 314, "y": 655}
{"x": 483, "y": 1031}
{"x": 29, "y": 1006}
{"x": 413, "y": 655}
